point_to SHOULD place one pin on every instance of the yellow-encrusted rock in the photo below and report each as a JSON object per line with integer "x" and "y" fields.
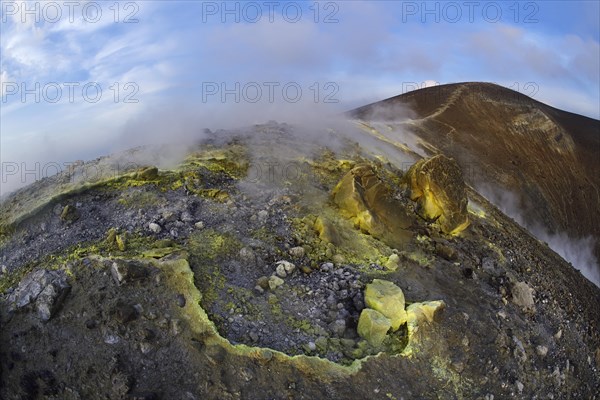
{"x": 369, "y": 202}
{"x": 419, "y": 315}
{"x": 388, "y": 299}
{"x": 327, "y": 231}
{"x": 373, "y": 326}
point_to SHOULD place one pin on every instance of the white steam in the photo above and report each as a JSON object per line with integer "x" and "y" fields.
{"x": 577, "y": 251}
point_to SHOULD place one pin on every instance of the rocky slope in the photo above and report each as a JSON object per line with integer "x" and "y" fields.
{"x": 547, "y": 159}
{"x": 266, "y": 265}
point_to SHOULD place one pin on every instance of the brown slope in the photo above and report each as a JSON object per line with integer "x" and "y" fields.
{"x": 548, "y": 157}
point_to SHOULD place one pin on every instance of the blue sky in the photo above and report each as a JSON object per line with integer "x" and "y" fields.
{"x": 85, "y": 79}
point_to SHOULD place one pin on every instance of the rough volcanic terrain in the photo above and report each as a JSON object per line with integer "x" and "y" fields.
{"x": 265, "y": 265}
{"x": 521, "y": 153}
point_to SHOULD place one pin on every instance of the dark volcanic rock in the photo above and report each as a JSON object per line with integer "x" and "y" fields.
{"x": 128, "y": 271}
{"x": 42, "y": 289}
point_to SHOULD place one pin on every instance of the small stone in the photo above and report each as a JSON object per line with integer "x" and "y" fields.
{"x": 57, "y": 210}
{"x": 174, "y": 233}
{"x": 199, "y": 225}
{"x": 558, "y": 334}
{"x": 175, "y": 327}
{"x": 121, "y": 241}
{"x": 275, "y": 282}
{"x": 488, "y": 265}
{"x": 459, "y": 366}
{"x": 169, "y": 216}
{"x": 163, "y": 322}
{"x": 297, "y": 252}
{"x": 288, "y": 266}
{"x": 186, "y": 216}
{"x": 111, "y": 339}
{"x": 519, "y": 386}
{"x": 126, "y": 271}
{"x": 338, "y": 327}
{"x": 541, "y": 350}
{"x": 125, "y": 313}
{"x": 266, "y": 354}
{"x": 331, "y": 301}
{"x": 312, "y": 346}
{"x": 111, "y": 237}
{"x": 321, "y": 343}
{"x": 357, "y": 353}
{"x": 519, "y": 351}
{"x": 247, "y": 255}
{"x": 258, "y": 289}
{"x": 522, "y": 296}
{"x": 69, "y": 214}
{"x": 358, "y": 302}
{"x": 151, "y": 315}
{"x": 180, "y": 298}
{"x": 145, "y": 347}
{"x": 263, "y": 282}
{"x": 272, "y": 299}
{"x": 306, "y": 269}
{"x": 51, "y": 299}
{"x": 338, "y": 259}
{"x": 280, "y": 271}
{"x": 393, "y": 262}
{"x": 154, "y": 227}
{"x": 262, "y": 215}
{"x": 253, "y": 336}
{"x": 326, "y": 267}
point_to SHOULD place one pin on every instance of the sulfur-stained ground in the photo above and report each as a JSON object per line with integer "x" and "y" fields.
{"x": 200, "y": 321}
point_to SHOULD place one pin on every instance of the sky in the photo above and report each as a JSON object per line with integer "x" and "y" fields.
{"x": 82, "y": 79}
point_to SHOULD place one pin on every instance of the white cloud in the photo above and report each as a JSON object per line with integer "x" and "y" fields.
{"x": 4, "y": 79}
